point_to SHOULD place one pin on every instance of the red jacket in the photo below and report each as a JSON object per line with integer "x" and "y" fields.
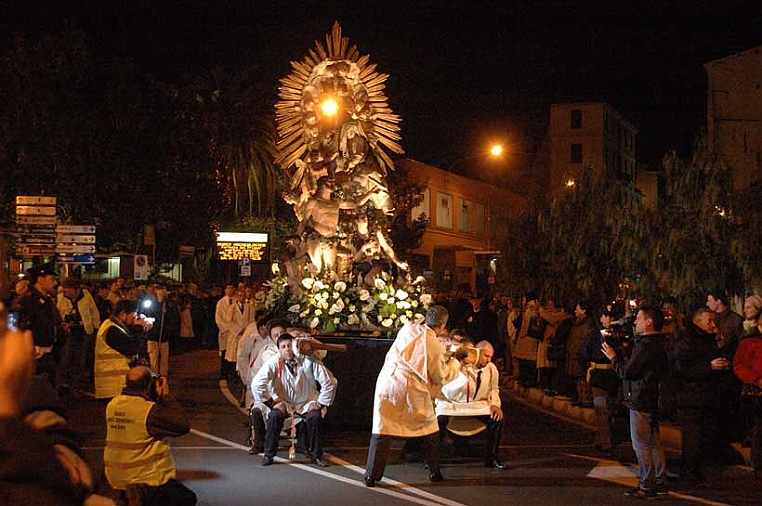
{"x": 747, "y": 364}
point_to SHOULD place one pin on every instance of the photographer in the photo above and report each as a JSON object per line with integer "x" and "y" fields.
{"x": 138, "y": 461}
{"x": 115, "y": 348}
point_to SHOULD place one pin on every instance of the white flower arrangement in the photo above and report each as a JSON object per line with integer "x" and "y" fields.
{"x": 327, "y": 304}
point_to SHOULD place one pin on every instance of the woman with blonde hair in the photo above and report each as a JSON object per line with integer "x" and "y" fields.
{"x": 752, "y": 310}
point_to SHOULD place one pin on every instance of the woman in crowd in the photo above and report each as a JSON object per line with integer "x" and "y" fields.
{"x": 747, "y": 365}
{"x": 752, "y": 310}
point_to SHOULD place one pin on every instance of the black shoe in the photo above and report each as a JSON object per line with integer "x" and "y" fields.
{"x": 369, "y": 482}
{"x": 495, "y": 464}
{"x": 319, "y": 462}
{"x": 256, "y": 449}
{"x": 640, "y": 493}
{"x": 661, "y": 489}
{"x": 267, "y": 460}
{"x": 436, "y": 477}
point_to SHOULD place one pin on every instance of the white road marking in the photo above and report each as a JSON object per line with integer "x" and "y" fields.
{"x": 425, "y": 498}
{"x": 615, "y": 472}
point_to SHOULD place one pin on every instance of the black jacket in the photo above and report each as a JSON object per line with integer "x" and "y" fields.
{"x": 644, "y": 373}
{"x": 694, "y": 382}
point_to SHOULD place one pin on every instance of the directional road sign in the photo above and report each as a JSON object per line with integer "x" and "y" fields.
{"x": 31, "y": 250}
{"x": 35, "y": 200}
{"x": 35, "y": 211}
{"x": 36, "y": 220}
{"x": 37, "y": 239}
{"x": 75, "y": 248}
{"x": 76, "y": 259}
{"x": 75, "y": 239}
{"x": 75, "y": 229}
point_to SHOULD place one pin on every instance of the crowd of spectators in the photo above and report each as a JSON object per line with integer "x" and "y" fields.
{"x": 710, "y": 385}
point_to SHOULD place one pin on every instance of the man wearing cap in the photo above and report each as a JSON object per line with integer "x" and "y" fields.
{"x": 80, "y": 320}
{"x": 38, "y": 313}
{"x": 115, "y": 347}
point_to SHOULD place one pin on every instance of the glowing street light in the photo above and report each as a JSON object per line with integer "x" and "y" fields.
{"x": 494, "y": 152}
{"x": 329, "y": 107}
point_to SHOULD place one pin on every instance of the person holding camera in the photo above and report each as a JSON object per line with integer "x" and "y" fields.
{"x": 137, "y": 458}
{"x": 643, "y": 374}
{"x": 604, "y": 382}
{"x": 115, "y": 348}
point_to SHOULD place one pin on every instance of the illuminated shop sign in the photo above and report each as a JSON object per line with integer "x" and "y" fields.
{"x": 238, "y": 245}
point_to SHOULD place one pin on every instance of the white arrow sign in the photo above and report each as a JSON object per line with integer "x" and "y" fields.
{"x": 75, "y": 229}
{"x": 76, "y": 239}
{"x": 75, "y": 248}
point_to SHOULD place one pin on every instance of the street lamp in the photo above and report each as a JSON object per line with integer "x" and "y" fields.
{"x": 495, "y": 151}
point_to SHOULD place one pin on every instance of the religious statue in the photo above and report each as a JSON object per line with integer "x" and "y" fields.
{"x": 334, "y": 124}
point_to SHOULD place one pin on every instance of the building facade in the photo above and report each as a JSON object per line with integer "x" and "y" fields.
{"x": 590, "y": 136}
{"x": 734, "y": 114}
{"x": 460, "y": 245}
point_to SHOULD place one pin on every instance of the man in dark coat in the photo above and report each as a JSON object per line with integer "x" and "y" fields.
{"x": 643, "y": 374}
{"x": 697, "y": 368}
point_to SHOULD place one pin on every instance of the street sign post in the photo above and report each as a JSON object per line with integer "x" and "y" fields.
{"x": 35, "y": 200}
{"x": 75, "y": 229}
{"x": 76, "y": 259}
{"x": 32, "y": 250}
{"x": 75, "y": 239}
{"x": 75, "y": 248}
{"x": 35, "y": 211}
{"x": 35, "y": 222}
{"x": 75, "y": 243}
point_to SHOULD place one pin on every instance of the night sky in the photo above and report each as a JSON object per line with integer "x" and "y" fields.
{"x": 459, "y": 75}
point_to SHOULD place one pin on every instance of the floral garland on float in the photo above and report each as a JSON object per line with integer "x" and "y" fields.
{"x": 328, "y": 304}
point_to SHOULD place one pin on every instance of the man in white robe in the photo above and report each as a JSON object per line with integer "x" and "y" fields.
{"x": 286, "y": 384}
{"x": 415, "y": 367}
{"x": 222, "y": 319}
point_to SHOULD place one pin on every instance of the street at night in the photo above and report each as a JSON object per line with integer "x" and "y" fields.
{"x": 550, "y": 461}
{"x": 469, "y": 254}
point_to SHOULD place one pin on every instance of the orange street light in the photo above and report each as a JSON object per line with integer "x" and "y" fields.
{"x": 494, "y": 152}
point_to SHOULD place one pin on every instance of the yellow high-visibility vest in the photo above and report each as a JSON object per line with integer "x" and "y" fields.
{"x": 132, "y": 455}
{"x": 110, "y": 367}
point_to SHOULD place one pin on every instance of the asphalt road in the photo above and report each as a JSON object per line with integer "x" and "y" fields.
{"x": 550, "y": 461}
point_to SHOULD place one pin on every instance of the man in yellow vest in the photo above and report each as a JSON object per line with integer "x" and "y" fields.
{"x": 115, "y": 347}
{"x": 138, "y": 461}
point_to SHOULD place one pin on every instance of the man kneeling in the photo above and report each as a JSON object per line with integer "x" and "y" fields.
{"x": 138, "y": 461}
{"x": 475, "y": 393}
{"x": 286, "y": 385}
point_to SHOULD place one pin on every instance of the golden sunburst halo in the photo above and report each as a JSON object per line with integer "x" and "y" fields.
{"x": 334, "y": 71}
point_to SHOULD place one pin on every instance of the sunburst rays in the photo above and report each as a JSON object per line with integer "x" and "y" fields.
{"x": 380, "y": 125}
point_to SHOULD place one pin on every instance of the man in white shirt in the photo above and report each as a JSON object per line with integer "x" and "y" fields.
{"x": 475, "y": 392}
{"x": 286, "y": 384}
{"x": 263, "y": 347}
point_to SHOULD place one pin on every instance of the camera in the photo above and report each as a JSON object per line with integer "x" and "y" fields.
{"x": 153, "y": 388}
{"x": 12, "y": 321}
